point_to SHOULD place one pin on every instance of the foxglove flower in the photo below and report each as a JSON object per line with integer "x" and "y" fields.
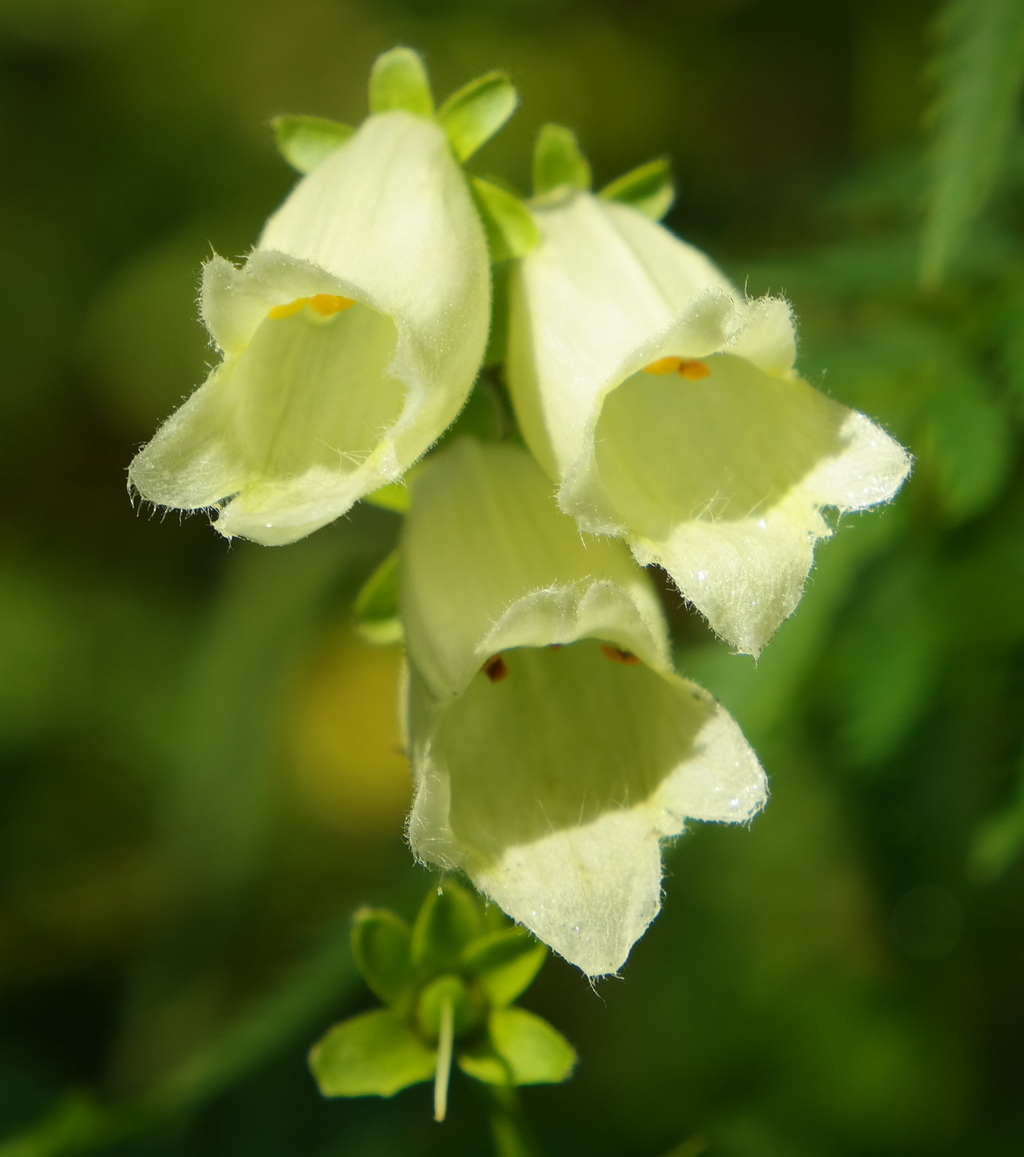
{"x": 350, "y": 339}
{"x": 553, "y": 746}
{"x": 666, "y": 407}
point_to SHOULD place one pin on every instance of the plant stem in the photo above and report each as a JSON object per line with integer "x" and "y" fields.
{"x": 512, "y": 1137}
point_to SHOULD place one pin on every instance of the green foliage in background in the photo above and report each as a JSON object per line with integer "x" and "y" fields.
{"x": 179, "y": 871}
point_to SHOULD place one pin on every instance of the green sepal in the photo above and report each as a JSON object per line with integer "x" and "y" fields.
{"x": 497, "y": 339}
{"x": 382, "y": 947}
{"x": 535, "y": 1052}
{"x": 377, "y": 1053}
{"x": 649, "y": 189}
{"x": 398, "y": 80}
{"x": 376, "y": 605}
{"x": 509, "y": 225}
{"x": 477, "y": 111}
{"x": 485, "y": 416}
{"x": 482, "y": 1063}
{"x": 449, "y": 919}
{"x": 504, "y": 964}
{"x": 304, "y": 141}
{"x": 494, "y": 919}
{"x": 467, "y": 1009}
{"x": 394, "y": 496}
{"x": 558, "y": 161}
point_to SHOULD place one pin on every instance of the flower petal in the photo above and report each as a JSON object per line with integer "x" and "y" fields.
{"x": 722, "y": 480}
{"x": 550, "y": 771}
{"x": 560, "y": 783}
{"x": 320, "y": 401}
{"x": 718, "y": 471}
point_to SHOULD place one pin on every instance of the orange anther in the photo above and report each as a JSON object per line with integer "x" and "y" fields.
{"x": 327, "y": 303}
{"x": 495, "y": 668}
{"x": 663, "y": 366}
{"x": 689, "y": 368}
{"x": 693, "y": 370}
{"x": 619, "y": 656}
{"x": 293, "y": 307}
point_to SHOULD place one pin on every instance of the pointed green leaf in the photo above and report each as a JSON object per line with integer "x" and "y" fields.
{"x": 450, "y": 919}
{"x": 980, "y": 68}
{"x": 535, "y": 1053}
{"x": 505, "y": 963}
{"x": 376, "y": 605}
{"x": 558, "y": 161}
{"x": 399, "y": 81}
{"x": 381, "y": 944}
{"x": 648, "y": 189}
{"x": 375, "y": 1054}
{"x": 967, "y": 442}
{"x": 477, "y": 111}
{"x": 304, "y": 141}
{"x": 510, "y": 227}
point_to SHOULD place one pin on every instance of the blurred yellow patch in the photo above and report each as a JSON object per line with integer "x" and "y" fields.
{"x": 346, "y": 749}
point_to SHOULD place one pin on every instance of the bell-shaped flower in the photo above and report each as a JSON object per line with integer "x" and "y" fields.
{"x": 350, "y": 337}
{"x": 666, "y": 407}
{"x": 553, "y": 746}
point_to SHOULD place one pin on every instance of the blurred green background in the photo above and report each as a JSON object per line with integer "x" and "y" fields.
{"x": 201, "y": 775}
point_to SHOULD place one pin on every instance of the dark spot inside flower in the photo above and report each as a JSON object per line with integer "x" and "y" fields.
{"x": 495, "y": 668}
{"x": 619, "y": 656}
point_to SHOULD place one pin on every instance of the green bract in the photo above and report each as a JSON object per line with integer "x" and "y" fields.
{"x": 350, "y": 337}
{"x": 666, "y": 407}
{"x": 553, "y": 746}
{"x": 449, "y": 983}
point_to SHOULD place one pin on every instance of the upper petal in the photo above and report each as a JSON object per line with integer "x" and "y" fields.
{"x": 390, "y": 213}
{"x": 604, "y": 282}
{"x": 489, "y": 562}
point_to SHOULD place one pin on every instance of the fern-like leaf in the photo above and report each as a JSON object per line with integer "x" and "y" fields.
{"x": 979, "y": 69}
